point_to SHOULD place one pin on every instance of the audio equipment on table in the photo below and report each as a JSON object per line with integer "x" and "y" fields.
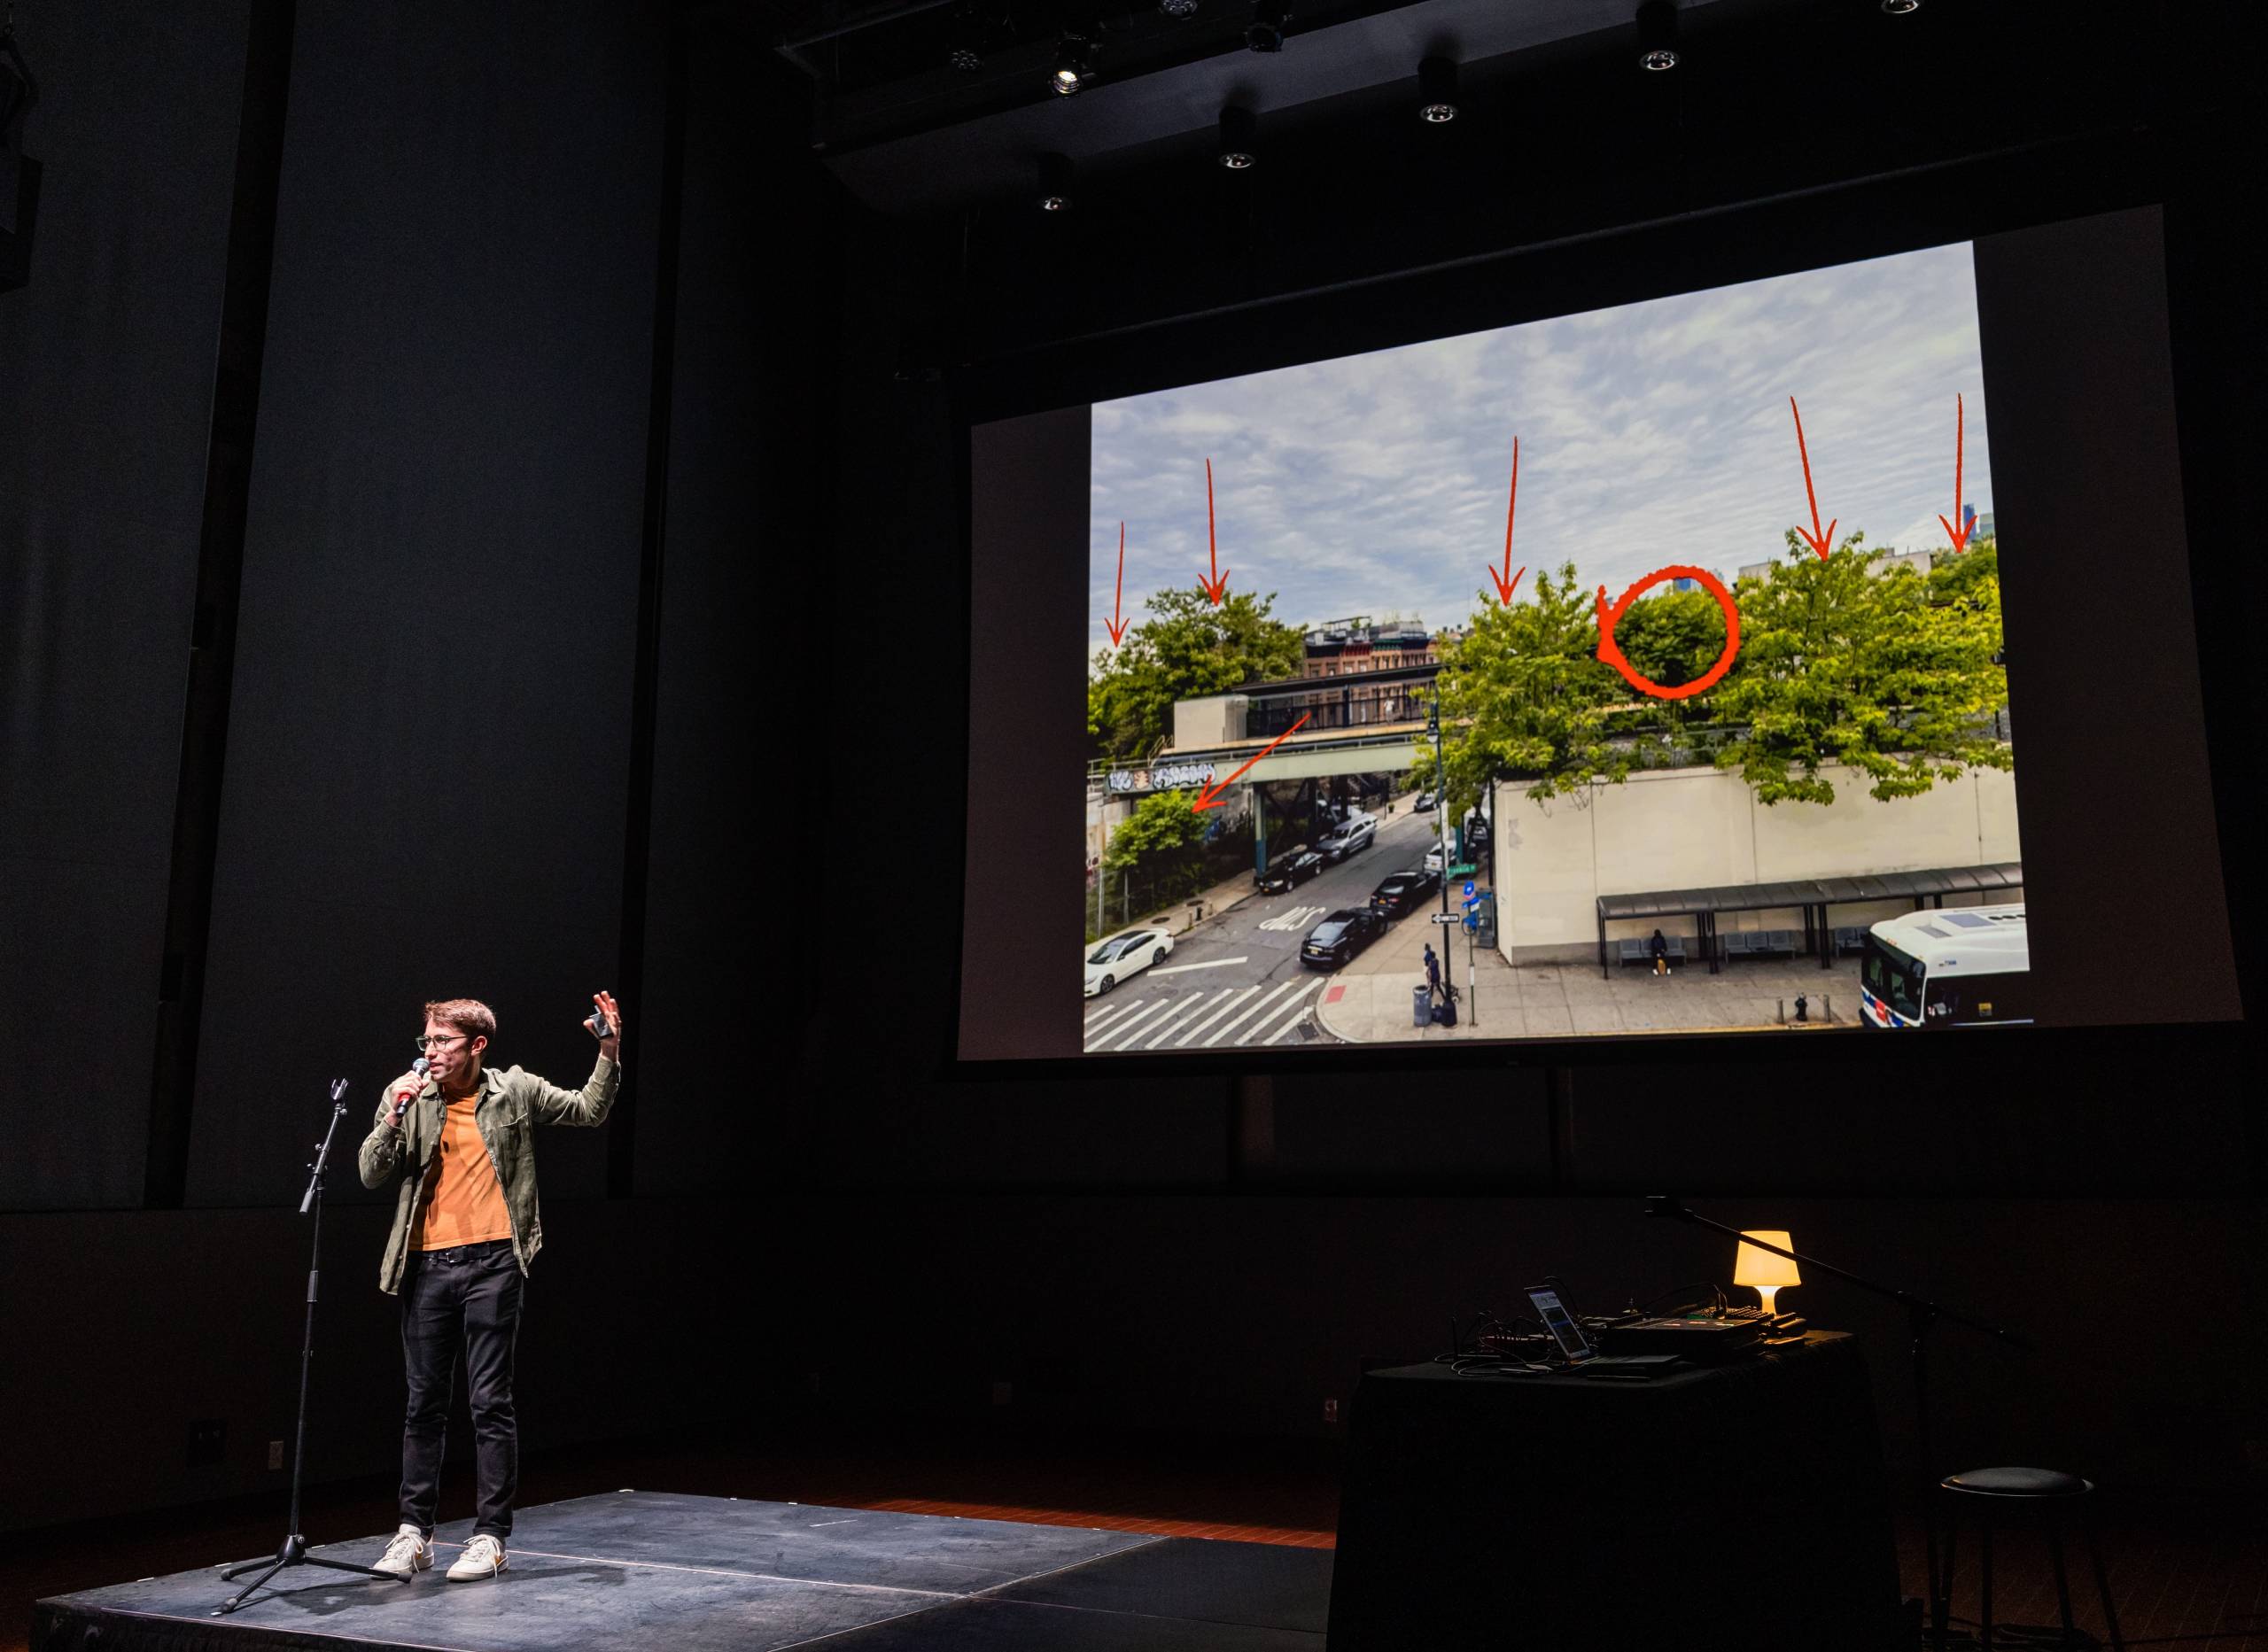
{"x": 1511, "y": 1345}
{"x": 1699, "y": 1339}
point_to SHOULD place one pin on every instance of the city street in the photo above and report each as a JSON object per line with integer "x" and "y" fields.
{"x": 1236, "y": 981}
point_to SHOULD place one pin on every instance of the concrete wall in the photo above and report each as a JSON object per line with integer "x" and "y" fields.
{"x": 1688, "y": 828}
{"x": 1201, "y": 725}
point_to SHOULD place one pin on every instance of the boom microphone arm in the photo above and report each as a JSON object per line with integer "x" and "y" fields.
{"x": 1663, "y": 1204}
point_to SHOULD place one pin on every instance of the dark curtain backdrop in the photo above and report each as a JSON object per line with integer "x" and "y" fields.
{"x": 737, "y": 864}
{"x": 106, "y": 361}
{"x": 426, "y": 791}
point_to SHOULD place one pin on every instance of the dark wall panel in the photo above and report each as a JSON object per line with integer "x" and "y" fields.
{"x": 746, "y": 651}
{"x": 105, "y": 389}
{"x": 425, "y": 790}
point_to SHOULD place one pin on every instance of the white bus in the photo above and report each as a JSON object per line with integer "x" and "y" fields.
{"x": 1959, "y": 966}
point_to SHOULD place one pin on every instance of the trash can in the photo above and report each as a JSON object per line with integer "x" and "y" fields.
{"x": 1421, "y": 1006}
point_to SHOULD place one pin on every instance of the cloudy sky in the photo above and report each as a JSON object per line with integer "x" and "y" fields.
{"x": 1654, "y": 433}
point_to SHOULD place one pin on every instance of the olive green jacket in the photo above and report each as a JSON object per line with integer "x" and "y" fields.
{"x": 511, "y": 1103}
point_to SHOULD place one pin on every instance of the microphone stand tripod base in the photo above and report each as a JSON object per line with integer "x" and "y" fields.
{"x": 294, "y": 1553}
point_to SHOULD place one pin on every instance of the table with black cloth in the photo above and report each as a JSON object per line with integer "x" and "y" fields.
{"x": 1738, "y": 1505}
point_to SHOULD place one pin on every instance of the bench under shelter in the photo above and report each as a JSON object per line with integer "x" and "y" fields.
{"x": 1815, "y": 897}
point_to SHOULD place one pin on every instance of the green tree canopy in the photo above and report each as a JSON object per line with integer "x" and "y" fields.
{"x": 1892, "y": 674}
{"x": 1525, "y": 696}
{"x": 1671, "y": 637}
{"x": 1161, "y": 844}
{"x": 1188, "y": 649}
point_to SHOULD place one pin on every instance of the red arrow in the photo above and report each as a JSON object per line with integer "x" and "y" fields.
{"x": 1210, "y": 797}
{"x": 1959, "y": 536}
{"x": 1219, "y": 582}
{"x": 1503, "y": 585}
{"x": 1118, "y": 625}
{"x": 1821, "y": 542}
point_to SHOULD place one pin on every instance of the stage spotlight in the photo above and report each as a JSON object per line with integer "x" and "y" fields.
{"x": 1074, "y": 64}
{"x": 1238, "y": 129}
{"x": 1178, "y": 9}
{"x": 1055, "y": 181}
{"x": 1899, "y": 8}
{"x": 1267, "y": 20}
{"x": 1657, "y": 34}
{"x": 1437, "y": 91}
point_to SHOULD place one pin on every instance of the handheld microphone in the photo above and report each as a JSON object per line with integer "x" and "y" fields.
{"x": 420, "y": 1067}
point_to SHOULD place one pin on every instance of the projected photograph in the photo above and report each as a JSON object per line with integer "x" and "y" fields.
{"x": 1632, "y": 672}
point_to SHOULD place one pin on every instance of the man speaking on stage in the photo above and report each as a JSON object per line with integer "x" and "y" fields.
{"x": 465, "y": 1227}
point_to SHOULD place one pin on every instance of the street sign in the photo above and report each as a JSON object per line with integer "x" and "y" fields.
{"x": 1447, "y": 918}
{"x": 1468, "y": 888}
{"x": 1459, "y": 872}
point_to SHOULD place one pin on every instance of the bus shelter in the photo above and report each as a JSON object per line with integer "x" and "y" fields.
{"x": 1814, "y": 897}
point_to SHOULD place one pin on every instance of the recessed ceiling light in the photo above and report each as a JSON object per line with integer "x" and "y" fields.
{"x": 1657, "y": 34}
{"x": 1055, "y": 183}
{"x": 1240, "y": 127}
{"x": 1074, "y": 65}
{"x": 1437, "y": 90}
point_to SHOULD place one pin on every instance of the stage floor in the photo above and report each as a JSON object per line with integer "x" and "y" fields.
{"x": 655, "y": 1570}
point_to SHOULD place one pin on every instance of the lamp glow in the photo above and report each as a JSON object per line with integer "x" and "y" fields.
{"x": 1765, "y": 1270}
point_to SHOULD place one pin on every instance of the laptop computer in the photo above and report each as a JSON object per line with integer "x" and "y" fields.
{"x": 1581, "y": 1356}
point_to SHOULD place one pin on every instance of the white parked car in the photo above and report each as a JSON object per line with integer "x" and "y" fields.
{"x": 1440, "y": 857}
{"x": 1122, "y": 955}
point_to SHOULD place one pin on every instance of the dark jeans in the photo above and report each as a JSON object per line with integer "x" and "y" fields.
{"x": 469, "y": 1299}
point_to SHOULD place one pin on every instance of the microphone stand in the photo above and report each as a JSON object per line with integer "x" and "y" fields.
{"x": 294, "y": 1551}
{"x": 1920, "y": 1314}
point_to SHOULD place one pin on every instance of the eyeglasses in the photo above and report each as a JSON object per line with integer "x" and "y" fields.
{"x": 433, "y": 1041}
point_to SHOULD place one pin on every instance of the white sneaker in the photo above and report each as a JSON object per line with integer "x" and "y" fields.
{"x": 483, "y": 1557}
{"x": 406, "y": 1555}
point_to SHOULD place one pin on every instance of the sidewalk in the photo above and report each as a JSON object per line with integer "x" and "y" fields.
{"x": 1178, "y": 919}
{"x": 1370, "y": 1001}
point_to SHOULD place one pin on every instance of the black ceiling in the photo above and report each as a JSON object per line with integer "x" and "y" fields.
{"x": 909, "y": 135}
{"x": 908, "y": 132}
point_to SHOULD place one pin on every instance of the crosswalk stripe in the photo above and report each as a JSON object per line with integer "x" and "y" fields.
{"x": 1235, "y": 997}
{"x": 1292, "y": 1026}
{"x": 1128, "y": 1025}
{"x": 1165, "y": 1029}
{"x": 1261, "y": 1008}
{"x": 1108, "y": 1013}
{"x": 1297, "y": 1006}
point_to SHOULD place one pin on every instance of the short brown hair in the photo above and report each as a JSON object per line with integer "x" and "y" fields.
{"x": 467, "y": 1015}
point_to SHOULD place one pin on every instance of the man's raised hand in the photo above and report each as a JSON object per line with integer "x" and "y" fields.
{"x": 609, "y": 1044}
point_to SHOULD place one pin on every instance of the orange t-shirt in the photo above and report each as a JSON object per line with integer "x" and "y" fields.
{"x": 465, "y": 1204}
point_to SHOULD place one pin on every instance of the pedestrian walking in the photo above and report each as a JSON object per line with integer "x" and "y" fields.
{"x": 1659, "y": 948}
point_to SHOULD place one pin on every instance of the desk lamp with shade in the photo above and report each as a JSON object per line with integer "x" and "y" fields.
{"x": 1765, "y": 1270}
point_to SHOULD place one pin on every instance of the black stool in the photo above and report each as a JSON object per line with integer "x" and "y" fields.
{"x": 2049, "y": 1494}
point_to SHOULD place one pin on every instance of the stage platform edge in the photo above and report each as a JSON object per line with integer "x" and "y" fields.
{"x": 634, "y": 1569}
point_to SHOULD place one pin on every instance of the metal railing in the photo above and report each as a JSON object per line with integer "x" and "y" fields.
{"x": 1263, "y": 721}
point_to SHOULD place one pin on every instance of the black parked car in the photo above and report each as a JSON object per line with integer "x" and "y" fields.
{"x": 1402, "y": 891}
{"x": 1339, "y": 937}
{"x": 1289, "y": 873}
